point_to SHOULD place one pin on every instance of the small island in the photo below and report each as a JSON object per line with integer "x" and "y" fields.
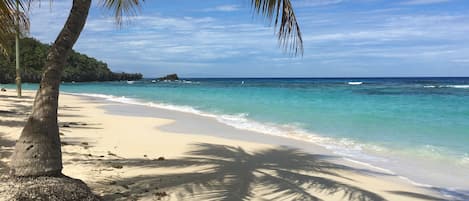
{"x": 170, "y": 77}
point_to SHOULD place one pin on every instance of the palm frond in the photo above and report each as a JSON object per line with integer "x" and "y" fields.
{"x": 7, "y": 24}
{"x": 9, "y": 17}
{"x": 122, "y": 8}
{"x": 288, "y": 33}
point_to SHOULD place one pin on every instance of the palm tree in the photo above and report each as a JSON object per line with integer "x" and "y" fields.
{"x": 17, "y": 52}
{"x": 14, "y": 24}
{"x": 7, "y": 24}
{"x": 38, "y": 150}
{"x": 12, "y": 21}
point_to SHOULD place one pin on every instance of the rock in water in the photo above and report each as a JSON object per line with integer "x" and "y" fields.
{"x": 170, "y": 77}
{"x": 45, "y": 188}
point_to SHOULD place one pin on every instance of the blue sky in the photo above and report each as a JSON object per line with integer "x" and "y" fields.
{"x": 222, "y": 38}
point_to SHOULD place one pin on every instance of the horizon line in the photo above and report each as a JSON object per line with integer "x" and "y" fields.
{"x": 338, "y": 77}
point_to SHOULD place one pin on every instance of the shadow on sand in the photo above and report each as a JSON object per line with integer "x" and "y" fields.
{"x": 6, "y": 147}
{"x": 231, "y": 173}
{"x": 416, "y": 195}
{"x": 15, "y": 110}
{"x": 16, "y": 97}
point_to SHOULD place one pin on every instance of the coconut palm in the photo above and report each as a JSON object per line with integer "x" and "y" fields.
{"x": 14, "y": 24}
{"x": 7, "y": 24}
{"x": 12, "y": 21}
{"x": 38, "y": 151}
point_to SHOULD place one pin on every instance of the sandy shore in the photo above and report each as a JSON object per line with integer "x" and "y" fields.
{"x": 130, "y": 152}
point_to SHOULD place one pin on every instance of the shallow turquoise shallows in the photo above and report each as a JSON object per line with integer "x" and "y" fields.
{"x": 376, "y": 120}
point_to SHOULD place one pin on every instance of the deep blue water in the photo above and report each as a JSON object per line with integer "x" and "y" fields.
{"x": 416, "y": 118}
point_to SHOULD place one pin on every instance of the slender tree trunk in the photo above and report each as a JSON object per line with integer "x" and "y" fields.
{"x": 38, "y": 151}
{"x": 17, "y": 45}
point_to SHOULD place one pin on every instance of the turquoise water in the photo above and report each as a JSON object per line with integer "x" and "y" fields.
{"x": 379, "y": 120}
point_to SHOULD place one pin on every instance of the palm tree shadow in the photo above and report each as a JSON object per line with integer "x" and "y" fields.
{"x": 6, "y": 147}
{"x": 231, "y": 173}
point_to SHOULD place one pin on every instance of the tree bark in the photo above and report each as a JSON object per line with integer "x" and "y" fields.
{"x": 38, "y": 151}
{"x": 17, "y": 51}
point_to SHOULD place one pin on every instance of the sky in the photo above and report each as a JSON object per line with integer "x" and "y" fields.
{"x": 222, "y": 38}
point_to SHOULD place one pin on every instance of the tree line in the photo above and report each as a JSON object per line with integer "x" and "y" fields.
{"x": 79, "y": 67}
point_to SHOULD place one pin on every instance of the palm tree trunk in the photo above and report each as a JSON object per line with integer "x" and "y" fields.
{"x": 38, "y": 151}
{"x": 17, "y": 52}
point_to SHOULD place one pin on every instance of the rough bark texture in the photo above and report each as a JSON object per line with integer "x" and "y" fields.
{"x": 38, "y": 151}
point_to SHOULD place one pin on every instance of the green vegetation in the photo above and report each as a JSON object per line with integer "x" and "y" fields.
{"x": 78, "y": 67}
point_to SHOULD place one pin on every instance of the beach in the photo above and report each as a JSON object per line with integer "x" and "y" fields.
{"x": 126, "y": 152}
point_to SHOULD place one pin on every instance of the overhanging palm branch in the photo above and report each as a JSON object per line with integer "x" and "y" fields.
{"x": 42, "y": 123}
{"x": 289, "y": 33}
{"x": 7, "y": 24}
{"x": 122, "y": 8}
{"x": 9, "y": 18}
{"x": 280, "y": 11}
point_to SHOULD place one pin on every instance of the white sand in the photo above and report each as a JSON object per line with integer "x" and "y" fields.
{"x": 114, "y": 149}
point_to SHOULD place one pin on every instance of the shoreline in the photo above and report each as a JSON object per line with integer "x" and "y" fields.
{"x": 162, "y": 124}
{"x": 273, "y": 139}
{"x": 293, "y": 141}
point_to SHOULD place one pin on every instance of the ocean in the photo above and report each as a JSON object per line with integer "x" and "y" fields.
{"x": 414, "y": 127}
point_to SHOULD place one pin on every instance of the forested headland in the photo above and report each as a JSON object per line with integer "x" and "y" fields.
{"x": 79, "y": 67}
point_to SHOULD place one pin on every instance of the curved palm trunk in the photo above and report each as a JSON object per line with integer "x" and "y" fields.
{"x": 38, "y": 151}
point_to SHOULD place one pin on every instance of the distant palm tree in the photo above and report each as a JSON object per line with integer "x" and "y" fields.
{"x": 38, "y": 151}
{"x": 12, "y": 21}
{"x": 17, "y": 49}
{"x": 7, "y": 24}
{"x": 14, "y": 24}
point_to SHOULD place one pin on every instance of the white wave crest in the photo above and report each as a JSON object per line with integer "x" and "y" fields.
{"x": 463, "y": 86}
{"x": 458, "y": 86}
{"x": 355, "y": 83}
{"x": 343, "y": 147}
{"x": 347, "y": 148}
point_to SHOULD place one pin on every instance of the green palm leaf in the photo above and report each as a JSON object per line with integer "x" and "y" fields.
{"x": 122, "y": 8}
{"x": 7, "y": 23}
{"x": 279, "y": 11}
{"x": 289, "y": 33}
{"x": 9, "y": 18}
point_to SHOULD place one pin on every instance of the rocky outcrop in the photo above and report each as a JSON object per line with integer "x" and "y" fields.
{"x": 170, "y": 77}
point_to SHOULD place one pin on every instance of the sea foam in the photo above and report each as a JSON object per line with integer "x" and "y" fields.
{"x": 347, "y": 148}
{"x": 463, "y": 86}
{"x": 355, "y": 83}
{"x": 343, "y": 146}
{"x": 458, "y": 86}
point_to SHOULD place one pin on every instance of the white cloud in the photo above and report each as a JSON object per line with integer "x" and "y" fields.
{"x": 423, "y": 2}
{"x": 227, "y": 8}
{"x": 312, "y": 3}
{"x": 385, "y": 29}
{"x": 224, "y": 8}
{"x": 206, "y": 41}
{"x": 460, "y": 60}
{"x": 153, "y": 40}
{"x": 382, "y": 35}
{"x": 47, "y": 18}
